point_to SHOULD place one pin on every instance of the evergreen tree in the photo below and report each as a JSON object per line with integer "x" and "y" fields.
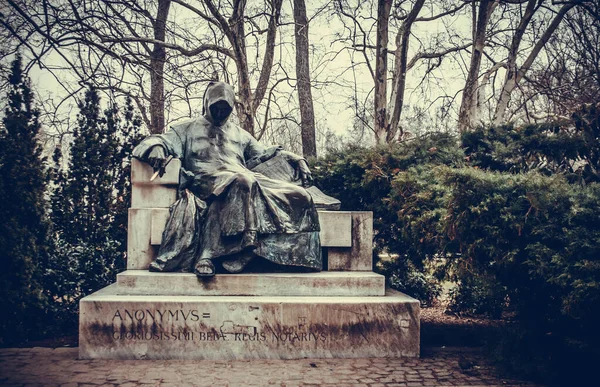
{"x": 82, "y": 201}
{"x": 130, "y": 135}
{"x": 93, "y": 193}
{"x": 90, "y": 202}
{"x": 23, "y": 229}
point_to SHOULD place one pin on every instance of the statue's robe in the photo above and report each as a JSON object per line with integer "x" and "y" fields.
{"x": 225, "y": 208}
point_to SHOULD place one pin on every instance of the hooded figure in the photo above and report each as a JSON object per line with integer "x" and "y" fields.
{"x": 226, "y": 213}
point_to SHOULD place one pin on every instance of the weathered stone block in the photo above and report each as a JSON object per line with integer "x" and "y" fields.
{"x": 336, "y": 228}
{"x": 152, "y": 196}
{"x": 159, "y": 221}
{"x": 359, "y": 257}
{"x": 143, "y": 282}
{"x": 142, "y": 172}
{"x": 229, "y": 328}
{"x": 139, "y": 250}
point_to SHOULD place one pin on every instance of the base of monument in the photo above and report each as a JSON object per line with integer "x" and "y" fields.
{"x": 117, "y": 326}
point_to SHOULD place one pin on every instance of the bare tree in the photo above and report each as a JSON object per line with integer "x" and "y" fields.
{"x": 307, "y": 114}
{"x": 568, "y": 77}
{"x": 400, "y": 17}
{"x": 119, "y": 45}
{"x": 515, "y": 74}
{"x": 158, "y": 57}
{"x": 468, "y": 106}
{"x": 401, "y": 60}
{"x": 381, "y": 70}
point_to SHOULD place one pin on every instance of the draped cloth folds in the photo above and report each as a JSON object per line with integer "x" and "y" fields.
{"x": 225, "y": 208}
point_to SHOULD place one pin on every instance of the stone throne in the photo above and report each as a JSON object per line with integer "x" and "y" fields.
{"x": 343, "y": 311}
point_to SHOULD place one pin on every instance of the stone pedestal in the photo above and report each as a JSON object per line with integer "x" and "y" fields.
{"x": 116, "y": 326}
{"x": 342, "y": 312}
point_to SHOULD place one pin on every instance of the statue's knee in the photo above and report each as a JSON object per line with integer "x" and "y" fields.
{"x": 245, "y": 181}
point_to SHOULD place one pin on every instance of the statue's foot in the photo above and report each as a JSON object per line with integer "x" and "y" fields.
{"x": 204, "y": 268}
{"x": 155, "y": 267}
{"x": 237, "y": 264}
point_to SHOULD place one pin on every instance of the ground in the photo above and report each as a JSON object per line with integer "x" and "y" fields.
{"x": 439, "y": 328}
{"x": 59, "y": 367}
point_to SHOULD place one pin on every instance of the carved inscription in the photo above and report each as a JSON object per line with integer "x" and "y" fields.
{"x": 189, "y": 325}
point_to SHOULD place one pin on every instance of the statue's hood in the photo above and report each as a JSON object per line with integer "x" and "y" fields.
{"x": 218, "y": 93}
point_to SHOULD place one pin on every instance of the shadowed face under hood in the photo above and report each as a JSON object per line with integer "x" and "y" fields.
{"x": 218, "y": 102}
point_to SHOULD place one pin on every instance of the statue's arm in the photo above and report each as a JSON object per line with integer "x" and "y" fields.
{"x": 255, "y": 153}
{"x": 171, "y": 142}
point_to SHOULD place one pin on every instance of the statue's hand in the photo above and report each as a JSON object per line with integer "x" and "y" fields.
{"x": 156, "y": 158}
{"x": 305, "y": 174}
{"x": 300, "y": 167}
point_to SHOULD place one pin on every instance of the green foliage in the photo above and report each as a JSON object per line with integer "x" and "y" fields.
{"x": 515, "y": 225}
{"x": 570, "y": 147}
{"x": 401, "y": 274}
{"x": 395, "y": 182}
{"x": 97, "y": 178}
{"x": 362, "y": 179}
{"x": 478, "y": 294}
{"x": 90, "y": 203}
{"x": 538, "y": 239}
{"x": 74, "y": 271}
{"x": 23, "y": 229}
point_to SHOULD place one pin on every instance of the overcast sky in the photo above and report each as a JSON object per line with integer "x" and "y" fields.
{"x": 330, "y": 64}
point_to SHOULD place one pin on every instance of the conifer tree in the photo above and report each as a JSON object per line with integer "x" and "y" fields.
{"x": 23, "y": 225}
{"x": 90, "y": 201}
{"x": 93, "y": 192}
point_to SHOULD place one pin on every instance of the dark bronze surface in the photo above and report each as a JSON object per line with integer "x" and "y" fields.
{"x": 226, "y": 211}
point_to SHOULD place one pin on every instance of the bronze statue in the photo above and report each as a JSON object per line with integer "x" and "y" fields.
{"x": 228, "y": 213}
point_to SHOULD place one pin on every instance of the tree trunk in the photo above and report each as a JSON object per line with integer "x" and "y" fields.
{"x": 513, "y": 74}
{"x": 249, "y": 102}
{"x": 468, "y": 105}
{"x": 380, "y": 99}
{"x": 267, "y": 65}
{"x": 157, "y": 67}
{"x": 511, "y": 63}
{"x": 399, "y": 83}
{"x": 237, "y": 38}
{"x": 307, "y": 115}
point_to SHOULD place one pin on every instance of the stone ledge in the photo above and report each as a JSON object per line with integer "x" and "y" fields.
{"x": 143, "y": 282}
{"x": 115, "y": 326}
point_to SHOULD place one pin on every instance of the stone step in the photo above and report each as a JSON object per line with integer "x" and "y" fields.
{"x": 326, "y": 283}
{"x": 114, "y": 326}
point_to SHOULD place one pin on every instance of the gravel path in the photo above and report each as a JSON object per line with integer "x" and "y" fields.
{"x": 60, "y": 367}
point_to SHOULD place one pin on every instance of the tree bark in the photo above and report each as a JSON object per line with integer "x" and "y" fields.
{"x": 267, "y": 65}
{"x": 380, "y": 99}
{"x": 468, "y": 104}
{"x": 307, "y": 115}
{"x": 514, "y": 74}
{"x": 511, "y": 63}
{"x": 248, "y": 102}
{"x": 237, "y": 38}
{"x": 399, "y": 82}
{"x": 157, "y": 66}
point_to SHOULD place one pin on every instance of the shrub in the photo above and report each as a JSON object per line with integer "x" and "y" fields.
{"x": 568, "y": 147}
{"x": 395, "y": 183}
{"x": 538, "y": 237}
{"x": 401, "y": 274}
{"x": 89, "y": 210}
{"x": 477, "y": 294}
{"x": 76, "y": 270}
{"x": 23, "y": 225}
